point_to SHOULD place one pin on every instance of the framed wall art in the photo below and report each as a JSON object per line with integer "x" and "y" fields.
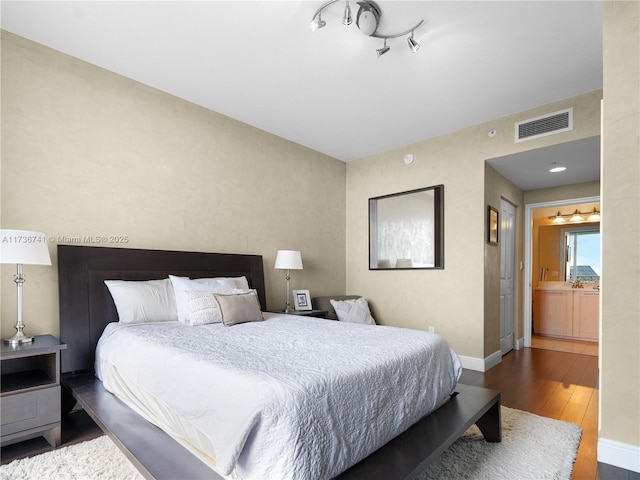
{"x": 493, "y": 225}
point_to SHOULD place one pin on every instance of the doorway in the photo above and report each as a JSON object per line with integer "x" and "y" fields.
{"x": 531, "y": 210}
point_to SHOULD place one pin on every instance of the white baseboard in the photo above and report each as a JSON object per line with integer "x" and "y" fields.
{"x": 519, "y": 344}
{"x": 480, "y": 364}
{"x": 621, "y": 455}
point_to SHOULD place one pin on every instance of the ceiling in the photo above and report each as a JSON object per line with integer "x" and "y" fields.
{"x": 259, "y": 62}
{"x": 530, "y": 170}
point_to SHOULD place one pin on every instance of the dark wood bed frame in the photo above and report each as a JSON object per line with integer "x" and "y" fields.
{"x": 86, "y": 308}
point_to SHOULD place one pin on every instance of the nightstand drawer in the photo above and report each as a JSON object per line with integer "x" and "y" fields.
{"x": 24, "y": 411}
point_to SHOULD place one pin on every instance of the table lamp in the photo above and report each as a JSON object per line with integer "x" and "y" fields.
{"x": 22, "y": 247}
{"x": 288, "y": 260}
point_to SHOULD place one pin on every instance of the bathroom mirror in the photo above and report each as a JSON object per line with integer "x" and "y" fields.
{"x": 406, "y": 230}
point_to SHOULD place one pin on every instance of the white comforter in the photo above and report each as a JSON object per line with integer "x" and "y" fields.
{"x": 288, "y": 398}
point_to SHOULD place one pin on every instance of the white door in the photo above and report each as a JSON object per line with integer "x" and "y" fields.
{"x": 507, "y": 273}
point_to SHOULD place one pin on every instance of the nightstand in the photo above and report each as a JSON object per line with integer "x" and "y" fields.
{"x": 306, "y": 313}
{"x": 30, "y": 390}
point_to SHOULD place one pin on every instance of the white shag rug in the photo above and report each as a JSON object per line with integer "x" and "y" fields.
{"x": 93, "y": 459}
{"x": 532, "y": 447}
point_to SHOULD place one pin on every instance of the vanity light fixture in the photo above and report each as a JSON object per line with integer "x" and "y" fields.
{"x": 594, "y": 216}
{"x": 576, "y": 217}
{"x": 558, "y": 218}
{"x": 367, "y": 21}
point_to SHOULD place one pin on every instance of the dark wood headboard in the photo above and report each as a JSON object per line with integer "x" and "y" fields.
{"x": 86, "y": 306}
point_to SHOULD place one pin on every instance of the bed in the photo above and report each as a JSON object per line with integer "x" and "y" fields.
{"x": 86, "y": 308}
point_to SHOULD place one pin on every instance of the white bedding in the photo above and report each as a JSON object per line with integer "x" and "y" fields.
{"x": 287, "y": 398}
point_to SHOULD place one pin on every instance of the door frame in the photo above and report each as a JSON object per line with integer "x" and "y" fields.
{"x": 528, "y": 255}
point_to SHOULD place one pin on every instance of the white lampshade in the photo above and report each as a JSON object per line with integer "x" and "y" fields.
{"x": 24, "y": 247}
{"x": 576, "y": 217}
{"x": 288, "y": 260}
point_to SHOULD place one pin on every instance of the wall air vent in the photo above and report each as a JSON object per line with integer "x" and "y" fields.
{"x": 550, "y": 124}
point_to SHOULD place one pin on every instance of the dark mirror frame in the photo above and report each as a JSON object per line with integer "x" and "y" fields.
{"x": 435, "y": 213}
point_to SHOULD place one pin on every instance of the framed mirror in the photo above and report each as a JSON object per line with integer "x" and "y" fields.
{"x": 406, "y": 230}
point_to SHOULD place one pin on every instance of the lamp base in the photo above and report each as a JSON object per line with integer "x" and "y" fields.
{"x": 288, "y": 309}
{"x": 18, "y": 338}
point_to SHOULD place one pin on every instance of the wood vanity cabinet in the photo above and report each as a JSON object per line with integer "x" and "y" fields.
{"x": 553, "y": 313}
{"x": 566, "y": 313}
{"x": 586, "y": 312}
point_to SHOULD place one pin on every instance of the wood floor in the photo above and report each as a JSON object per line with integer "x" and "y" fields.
{"x": 556, "y": 384}
{"x": 560, "y": 385}
{"x": 565, "y": 345}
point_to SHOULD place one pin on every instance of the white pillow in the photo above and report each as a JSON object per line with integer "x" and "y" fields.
{"x": 355, "y": 311}
{"x": 217, "y": 285}
{"x": 203, "y": 306}
{"x": 143, "y": 301}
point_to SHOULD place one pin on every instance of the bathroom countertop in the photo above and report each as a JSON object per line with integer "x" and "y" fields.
{"x": 566, "y": 287}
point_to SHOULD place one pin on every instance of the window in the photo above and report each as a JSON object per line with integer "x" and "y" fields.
{"x": 582, "y": 247}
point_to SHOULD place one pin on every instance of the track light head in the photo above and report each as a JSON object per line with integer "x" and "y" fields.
{"x": 383, "y": 50}
{"x": 317, "y": 24}
{"x": 347, "y": 19}
{"x": 413, "y": 45}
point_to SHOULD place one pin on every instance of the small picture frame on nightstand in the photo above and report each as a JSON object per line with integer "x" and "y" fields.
{"x": 302, "y": 299}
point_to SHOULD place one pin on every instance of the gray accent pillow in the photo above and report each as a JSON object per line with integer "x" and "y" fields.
{"x": 239, "y": 308}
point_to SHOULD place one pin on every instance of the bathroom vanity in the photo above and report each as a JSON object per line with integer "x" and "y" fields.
{"x": 562, "y": 311}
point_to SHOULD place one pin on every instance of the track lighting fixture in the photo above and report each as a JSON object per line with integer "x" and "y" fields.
{"x": 346, "y": 18}
{"x": 383, "y": 50}
{"x": 367, "y": 21}
{"x": 317, "y": 24}
{"x": 413, "y": 45}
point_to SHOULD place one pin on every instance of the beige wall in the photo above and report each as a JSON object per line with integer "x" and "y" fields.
{"x": 498, "y": 188}
{"x": 547, "y": 252}
{"x": 620, "y": 298}
{"x": 452, "y": 300}
{"x": 566, "y": 192}
{"x": 88, "y": 152}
